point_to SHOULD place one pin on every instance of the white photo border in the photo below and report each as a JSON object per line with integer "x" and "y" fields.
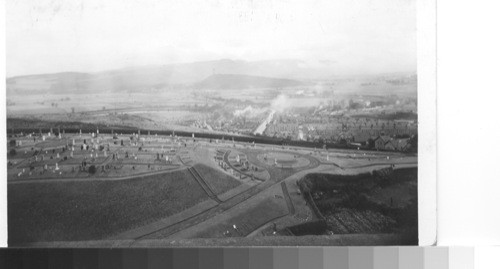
{"x": 427, "y": 122}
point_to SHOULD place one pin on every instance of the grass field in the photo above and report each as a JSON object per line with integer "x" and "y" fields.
{"x": 248, "y": 221}
{"x": 276, "y": 173}
{"x": 219, "y": 181}
{"x": 96, "y": 209}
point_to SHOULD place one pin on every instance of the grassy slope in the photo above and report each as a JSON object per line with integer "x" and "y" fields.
{"x": 96, "y": 209}
{"x": 248, "y": 221}
{"x": 219, "y": 181}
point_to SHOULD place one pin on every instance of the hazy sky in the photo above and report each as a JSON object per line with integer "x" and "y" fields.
{"x": 349, "y": 36}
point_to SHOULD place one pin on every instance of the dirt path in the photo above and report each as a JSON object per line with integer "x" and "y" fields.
{"x": 300, "y": 207}
{"x": 208, "y": 214}
{"x": 273, "y": 188}
{"x": 224, "y": 206}
{"x": 291, "y": 208}
{"x": 168, "y": 221}
{"x": 369, "y": 165}
{"x": 203, "y": 184}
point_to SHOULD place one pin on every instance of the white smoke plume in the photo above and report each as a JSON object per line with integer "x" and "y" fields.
{"x": 283, "y": 102}
{"x": 249, "y": 112}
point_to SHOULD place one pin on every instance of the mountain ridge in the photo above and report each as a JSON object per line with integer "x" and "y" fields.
{"x": 154, "y": 76}
{"x": 239, "y": 81}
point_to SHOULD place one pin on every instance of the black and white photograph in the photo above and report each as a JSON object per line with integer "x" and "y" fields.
{"x": 213, "y": 123}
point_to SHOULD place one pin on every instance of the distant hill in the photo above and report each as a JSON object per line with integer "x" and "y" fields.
{"x": 235, "y": 81}
{"x": 46, "y": 83}
{"x": 143, "y": 78}
{"x": 244, "y": 74}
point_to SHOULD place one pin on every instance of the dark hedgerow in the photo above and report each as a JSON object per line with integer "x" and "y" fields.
{"x": 92, "y": 169}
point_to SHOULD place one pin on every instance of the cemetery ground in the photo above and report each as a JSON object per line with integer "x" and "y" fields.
{"x": 80, "y": 187}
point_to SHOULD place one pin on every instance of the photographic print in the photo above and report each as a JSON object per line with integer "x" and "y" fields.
{"x": 212, "y": 123}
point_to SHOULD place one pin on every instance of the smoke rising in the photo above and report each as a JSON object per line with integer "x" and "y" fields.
{"x": 249, "y": 112}
{"x": 283, "y": 102}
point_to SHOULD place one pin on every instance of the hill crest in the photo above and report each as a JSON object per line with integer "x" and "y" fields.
{"x": 239, "y": 81}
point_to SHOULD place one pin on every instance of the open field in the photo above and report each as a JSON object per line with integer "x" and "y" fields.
{"x": 96, "y": 209}
{"x": 248, "y": 221}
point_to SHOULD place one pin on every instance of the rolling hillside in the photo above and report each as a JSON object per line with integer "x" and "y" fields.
{"x": 181, "y": 75}
{"x": 232, "y": 81}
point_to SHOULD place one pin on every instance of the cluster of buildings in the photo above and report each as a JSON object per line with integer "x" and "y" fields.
{"x": 240, "y": 124}
{"x": 340, "y": 129}
{"x": 345, "y": 130}
{"x": 384, "y": 142}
